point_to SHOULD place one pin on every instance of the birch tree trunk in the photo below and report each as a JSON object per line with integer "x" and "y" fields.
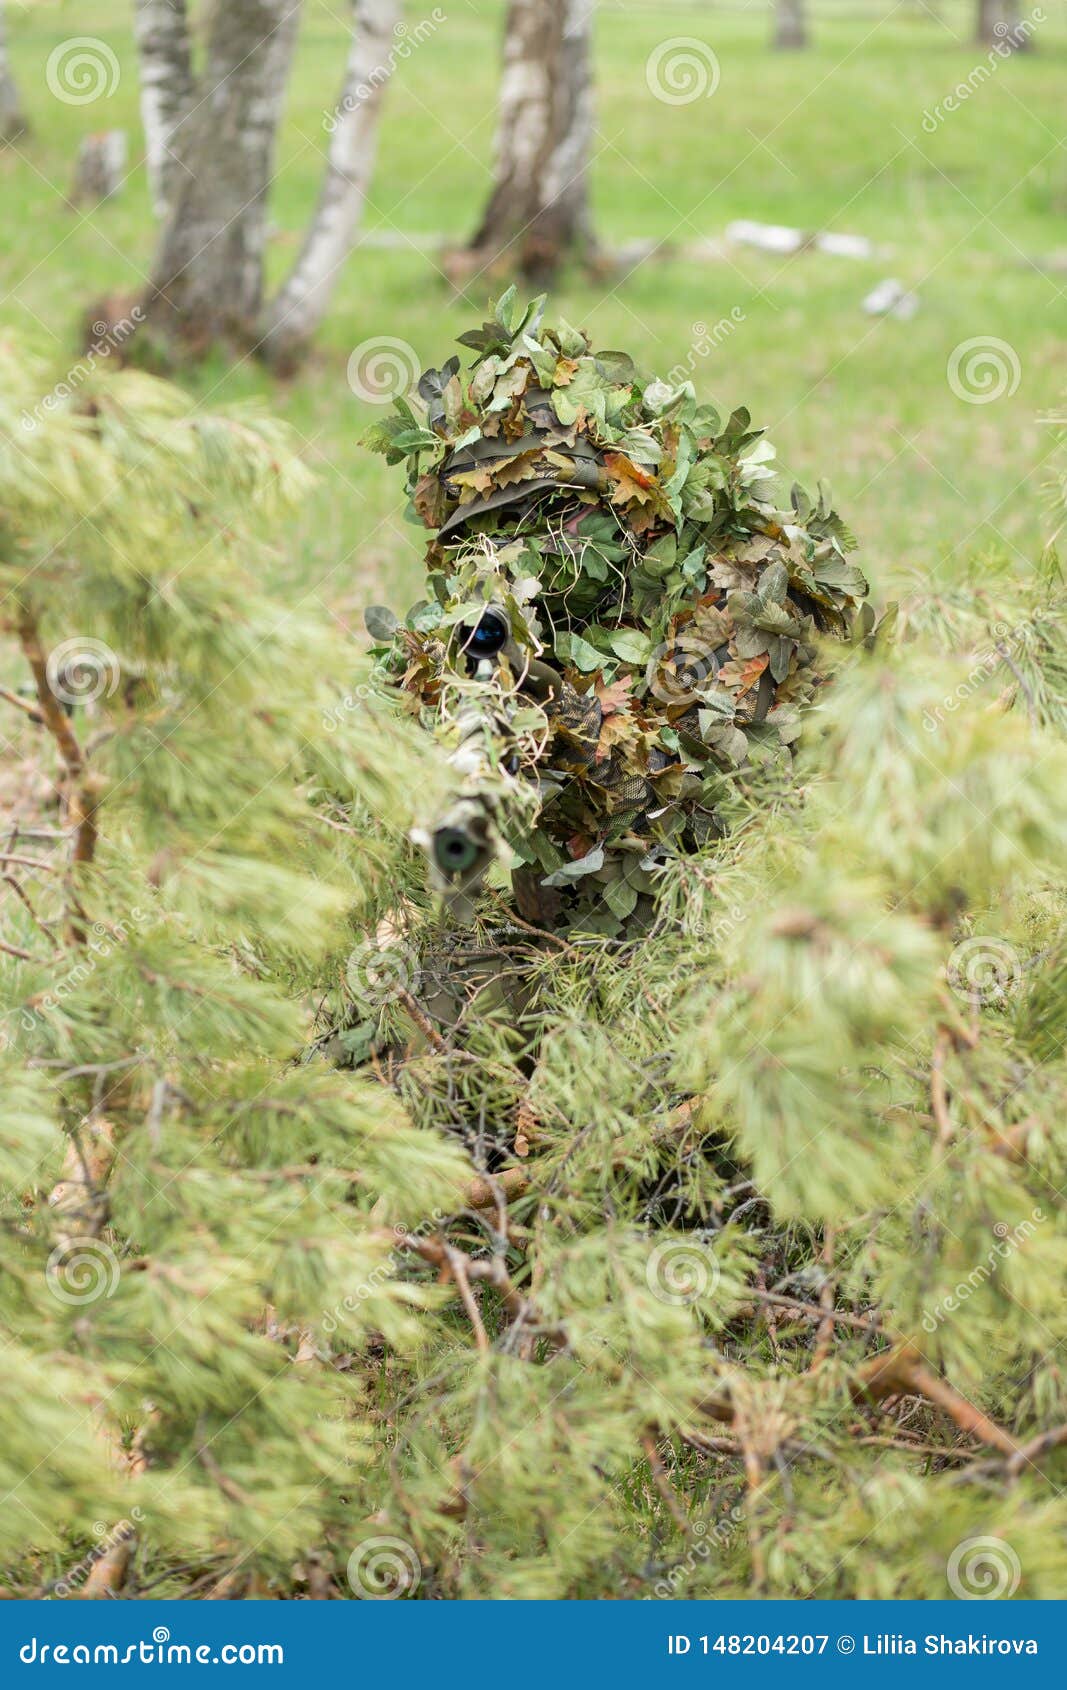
{"x": 540, "y": 200}
{"x": 161, "y": 29}
{"x": 207, "y": 280}
{"x": 790, "y": 24}
{"x": 998, "y": 24}
{"x": 12, "y": 120}
{"x": 299, "y": 307}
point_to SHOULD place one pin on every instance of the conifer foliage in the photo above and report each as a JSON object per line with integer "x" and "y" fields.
{"x": 723, "y": 1260}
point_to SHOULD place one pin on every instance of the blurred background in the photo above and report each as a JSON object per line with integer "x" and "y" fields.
{"x": 915, "y": 362}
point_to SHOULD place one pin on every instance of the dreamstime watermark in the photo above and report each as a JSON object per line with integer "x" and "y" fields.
{"x": 110, "y": 1538}
{"x": 101, "y": 940}
{"x": 680, "y": 669}
{"x": 984, "y": 1569}
{"x": 1009, "y": 1239}
{"x": 332, "y": 719}
{"x": 379, "y": 973}
{"x": 983, "y": 369}
{"x": 106, "y": 338}
{"x": 81, "y": 670}
{"x": 383, "y": 369}
{"x": 381, "y": 1569}
{"x": 1009, "y": 38}
{"x": 160, "y": 1651}
{"x": 407, "y": 38}
{"x": 681, "y": 70}
{"x": 681, "y": 1271}
{"x": 81, "y": 1271}
{"x": 704, "y": 342}
{"x": 1006, "y": 640}
{"x": 380, "y": 1275}
{"x": 81, "y": 70}
{"x": 984, "y": 971}
{"x": 708, "y": 1538}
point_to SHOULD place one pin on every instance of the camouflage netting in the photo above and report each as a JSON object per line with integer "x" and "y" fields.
{"x": 661, "y": 611}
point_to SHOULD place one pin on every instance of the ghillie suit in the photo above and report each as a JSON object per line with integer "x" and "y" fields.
{"x": 619, "y": 618}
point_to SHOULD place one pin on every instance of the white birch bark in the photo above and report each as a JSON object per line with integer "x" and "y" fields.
{"x": 300, "y": 305}
{"x": 207, "y": 280}
{"x": 161, "y": 30}
{"x": 540, "y": 199}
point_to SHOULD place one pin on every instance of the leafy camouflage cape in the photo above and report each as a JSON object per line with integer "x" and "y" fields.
{"x": 663, "y": 611}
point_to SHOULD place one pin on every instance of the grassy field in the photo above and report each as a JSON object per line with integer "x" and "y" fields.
{"x": 970, "y": 215}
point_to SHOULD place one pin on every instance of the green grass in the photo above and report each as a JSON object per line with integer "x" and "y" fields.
{"x": 829, "y": 138}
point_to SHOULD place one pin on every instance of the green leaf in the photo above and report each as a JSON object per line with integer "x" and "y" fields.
{"x": 631, "y": 645}
{"x": 589, "y": 864}
{"x": 380, "y": 622}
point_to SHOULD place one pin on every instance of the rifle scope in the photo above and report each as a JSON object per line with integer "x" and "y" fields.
{"x": 455, "y": 851}
{"x": 488, "y": 636}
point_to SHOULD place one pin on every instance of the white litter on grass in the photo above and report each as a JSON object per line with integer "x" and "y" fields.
{"x": 779, "y": 237}
{"x": 891, "y": 299}
{"x": 771, "y": 237}
{"x": 845, "y": 246}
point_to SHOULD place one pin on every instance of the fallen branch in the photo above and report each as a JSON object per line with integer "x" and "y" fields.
{"x": 902, "y": 1372}
{"x": 81, "y": 796}
{"x": 1026, "y": 1454}
{"x": 23, "y": 704}
{"x": 108, "y": 1573}
{"x": 512, "y": 1182}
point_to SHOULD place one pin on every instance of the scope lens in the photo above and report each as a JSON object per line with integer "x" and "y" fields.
{"x": 488, "y": 636}
{"x": 454, "y": 850}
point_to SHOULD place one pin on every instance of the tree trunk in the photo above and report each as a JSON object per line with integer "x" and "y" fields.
{"x": 100, "y": 168}
{"x": 293, "y": 316}
{"x": 540, "y": 200}
{"x": 790, "y": 24}
{"x": 161, "y": 28}
{"x": 12, "y": 121}
{"x": 207, "y": 280}
{"x": 998, "y": 25}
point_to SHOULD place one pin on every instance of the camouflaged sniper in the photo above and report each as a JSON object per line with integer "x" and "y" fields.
{"x": 618, "y": 616}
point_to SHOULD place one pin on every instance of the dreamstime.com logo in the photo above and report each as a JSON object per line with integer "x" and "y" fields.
{"x": 158, "y": 1651}
{"x": 983, "y": 369}
{"x": 704, "y": 342}
{"x": 1009, "y": 37}
{"x": 383, "y": 369}
{"x": 382, "y": 1569}
{"x": 109, "y": 1538}
{"x": 379, "y": 974}
{"x": 81, "y": 70}
{"x": 708, "y": 1538}
{"x": 681, "y": 1271}
{"x": 680, "y": 669}
{"x": 681, "y": 70}
{"x": 407, "y": 38}
{"x": 1009, "y": 1239}
{"x": 82, "y": 670}
{"x": 984, "y": 972}
{"x": 106, "y": 338}
{"x": 82, "y": 1271}
{"x": 332, "y": 719}
{"x": 984, "y": 1569}
{"x": 99, "y": 944}
{"x": 378, "y": 1276}
{"x": 1007, "y": 639}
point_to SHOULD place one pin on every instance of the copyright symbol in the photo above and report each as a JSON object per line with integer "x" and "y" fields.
{"x": 845, "y": 1644}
